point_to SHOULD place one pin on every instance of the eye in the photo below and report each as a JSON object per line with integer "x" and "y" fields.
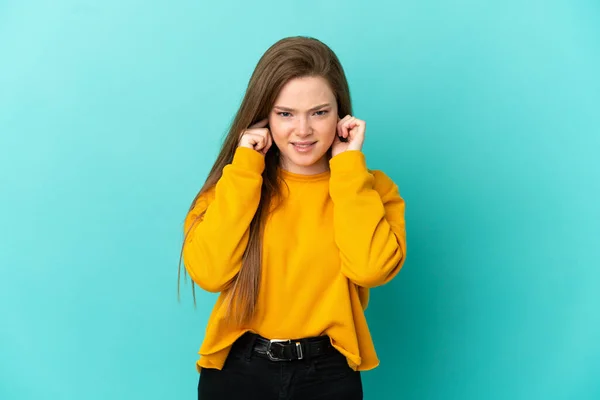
{"x": 284, "y": 114}
{"x": 322, "y": 112}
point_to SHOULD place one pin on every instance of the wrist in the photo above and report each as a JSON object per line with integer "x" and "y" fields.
{"x": 250, "y": 147}
{"x": 348, "y": 161}
{"x": 248, "y": 158}
{"x": 354, "y": 147}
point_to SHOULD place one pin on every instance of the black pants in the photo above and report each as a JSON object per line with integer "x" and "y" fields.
{"x": 247, "y": 375}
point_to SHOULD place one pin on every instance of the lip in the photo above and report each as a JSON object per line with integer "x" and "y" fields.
{"x": 303, "y": 143}
{"x": 303, "y": 147}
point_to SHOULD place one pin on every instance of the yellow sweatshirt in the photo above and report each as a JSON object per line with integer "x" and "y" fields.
{"x": 335, "y": 235}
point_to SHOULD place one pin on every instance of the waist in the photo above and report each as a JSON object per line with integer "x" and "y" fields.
{"x": 283, "y": 349}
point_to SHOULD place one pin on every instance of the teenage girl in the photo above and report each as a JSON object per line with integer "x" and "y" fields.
{"x": 292, "y": 229}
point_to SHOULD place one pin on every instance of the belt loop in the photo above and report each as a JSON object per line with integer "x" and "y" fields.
{"x": 250, "y": 346}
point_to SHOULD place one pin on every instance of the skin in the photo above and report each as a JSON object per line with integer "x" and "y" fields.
{"x": 304, "y": 125}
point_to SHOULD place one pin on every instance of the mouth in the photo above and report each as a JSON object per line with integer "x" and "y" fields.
{"x": 303, "y": 147}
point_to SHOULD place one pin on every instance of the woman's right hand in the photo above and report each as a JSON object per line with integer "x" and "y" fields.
{"x": 257, "y": 137}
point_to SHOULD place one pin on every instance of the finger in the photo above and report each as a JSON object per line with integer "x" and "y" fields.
{"x": 342, "y": 120}
{"x": 342, "y": 130}
{"x": 358, "y": 125}
{"x": 346, "y": 118}
{"x": 253, "y": 140}
{"x": 362, "y": 126}
{"x": 265, "y": 132}
{"x": 261, "y": 141}
{"x": 347, "y": 127}
{"x": 341, "y": 126}
{"x": 351, "y": 122}
{"x": 350, "y": 125}
{"x": 268, "y": 144}
{"x": 260, "y": 124}
{"x": 257, "y": 131}
{"x": 267, "y": 139}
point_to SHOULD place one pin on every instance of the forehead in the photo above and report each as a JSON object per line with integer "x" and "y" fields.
{"x": 304, "y": 93}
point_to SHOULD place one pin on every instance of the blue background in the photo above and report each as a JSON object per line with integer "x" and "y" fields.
{"x": 486, "y": 114}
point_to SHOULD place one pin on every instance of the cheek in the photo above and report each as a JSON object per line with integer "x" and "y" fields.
{"x": 329, "y": 129}
{"x": 278, "y": 130}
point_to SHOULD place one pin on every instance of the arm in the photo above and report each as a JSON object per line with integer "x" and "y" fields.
{"x": 215, "y": 244}
{"x": 368, "y": 217}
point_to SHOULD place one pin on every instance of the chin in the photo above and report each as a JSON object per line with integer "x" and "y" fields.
{"x": 307, "y": 160}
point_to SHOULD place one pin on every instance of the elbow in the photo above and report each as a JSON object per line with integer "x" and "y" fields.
{"x": 371, "y": 279}
{"x": 368, "y": 281}
{"x": 209, "y": 282}
{"x": 205, "y": 273}
{"x": 376, "y": 272}
{"x": 211, "y": 286}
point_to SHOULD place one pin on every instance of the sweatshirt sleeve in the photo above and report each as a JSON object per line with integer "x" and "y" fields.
{"x": 216, "y": 242}
{"x": 368, "y": 215}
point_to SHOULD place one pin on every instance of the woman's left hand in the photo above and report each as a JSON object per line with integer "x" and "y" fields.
{"x": 353, "y": 131}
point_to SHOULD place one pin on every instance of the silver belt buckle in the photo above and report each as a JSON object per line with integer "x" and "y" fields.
{"x": 274, "y": 358}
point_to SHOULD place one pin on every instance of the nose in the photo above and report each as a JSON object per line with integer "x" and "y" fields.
{"x": 303, "y": 128}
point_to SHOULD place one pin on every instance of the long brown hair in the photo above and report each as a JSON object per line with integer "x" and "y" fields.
{"x": 289, "y": 58}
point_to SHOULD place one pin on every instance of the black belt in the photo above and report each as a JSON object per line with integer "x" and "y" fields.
{"x": 286, "y": 350}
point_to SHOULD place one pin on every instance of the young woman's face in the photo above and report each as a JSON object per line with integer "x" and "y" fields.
{"x": 303, "y": 124}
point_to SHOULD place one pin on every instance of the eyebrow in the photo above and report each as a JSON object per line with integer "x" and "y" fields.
{"x": 312, "y": 109}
